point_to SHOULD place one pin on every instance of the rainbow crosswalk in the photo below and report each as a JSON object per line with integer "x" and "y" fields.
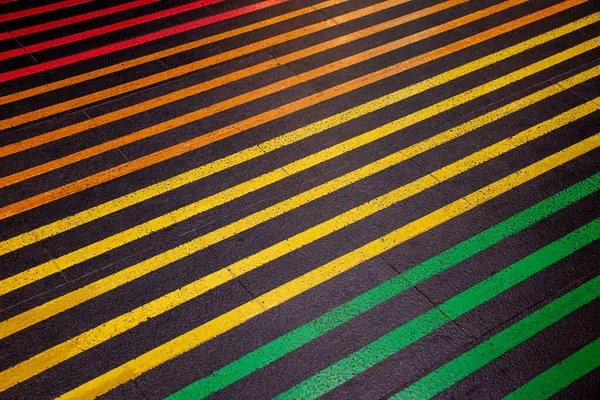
{"x": 297, "y": 199}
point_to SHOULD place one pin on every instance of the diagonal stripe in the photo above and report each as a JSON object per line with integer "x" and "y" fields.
{"x": 562, "y": 374}
{"x": 66, "y": 261}
{"x": 129, "y": 320}
{"x": 61, "y": 41}
{"x": 447, "y": 259}
{"x": 257, "y": 306}
{"x": 469, "y": 362}
{"x": 78, "y": 18}
{"x": 104, "y": 285}
{"x": 241, "y": 126}
{"x": 42, "y": 9}
{"x": 231, "y": 77}
{"x": 178, "y": 49}
{"x": 331, "y": 377}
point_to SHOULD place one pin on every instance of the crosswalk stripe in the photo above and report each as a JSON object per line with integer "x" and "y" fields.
{"x": 104, "y": 285}
{"x": 70, "y": 300}
{"x": 77, "y": 18}
{"x": 41, "y": 9}
{"x": 75, "y": 37}
{"x": 562, "y": 374}
{"x": 111, "y": 48}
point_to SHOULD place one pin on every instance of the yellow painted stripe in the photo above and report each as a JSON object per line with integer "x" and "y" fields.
{"x": 243, "y": 125}
{"x": 196, "y": 174}
{"x": 253, "y": 308}
{"x": 70, "y": 300}
{"x": 131, "y": 319}
{"x": 186, "y": 69}
{"x": 167, "y": 53}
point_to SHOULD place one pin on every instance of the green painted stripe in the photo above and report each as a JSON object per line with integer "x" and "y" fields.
{"x": 378, "y": 350}
{"x": 560, "y": 375}
{"x": 291, "y": 341}
{"x": 469, "y": 362}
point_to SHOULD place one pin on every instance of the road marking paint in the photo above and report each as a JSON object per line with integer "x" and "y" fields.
{"x": 42, "y": 9}
{"x": 77, "y": 18}
{"x": 110, "y": 48}
{"x": 229, "y": 78}
{"x": 180, "y": 48}
{"x": 563, "y": 374}
{"x": 85, "y": 253}
{"x": 70, "y": 300}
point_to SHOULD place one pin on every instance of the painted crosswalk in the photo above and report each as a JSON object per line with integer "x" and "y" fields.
{"x": 299, "y": 199}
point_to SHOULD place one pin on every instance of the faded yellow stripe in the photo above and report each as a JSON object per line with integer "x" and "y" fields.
{"x": 166, "y": 53}
{"x": 196, "y": 174}
{"x": 70, "y": 300}
{"x": 131, "y": 319}
{"x": 186, "y": 69}
{"x": 253, "y": 308}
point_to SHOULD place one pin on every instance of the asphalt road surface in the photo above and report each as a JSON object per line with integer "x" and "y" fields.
{"x": 300, "y": 199}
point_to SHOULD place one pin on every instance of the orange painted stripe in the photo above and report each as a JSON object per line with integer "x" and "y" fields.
{"x": 238, "y": 100}
{"x": 233, "y": 129}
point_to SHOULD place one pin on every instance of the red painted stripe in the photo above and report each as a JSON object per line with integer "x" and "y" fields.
{"x": 7, "y": 1}
{"x": 111, "y": 48}
{"x": 5, "y": 35}
{"x": 12, "y": 53}
{"x": 78, "y": 18}
{"x": 119, "y": 25}
{"x": 40, "y": 10}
